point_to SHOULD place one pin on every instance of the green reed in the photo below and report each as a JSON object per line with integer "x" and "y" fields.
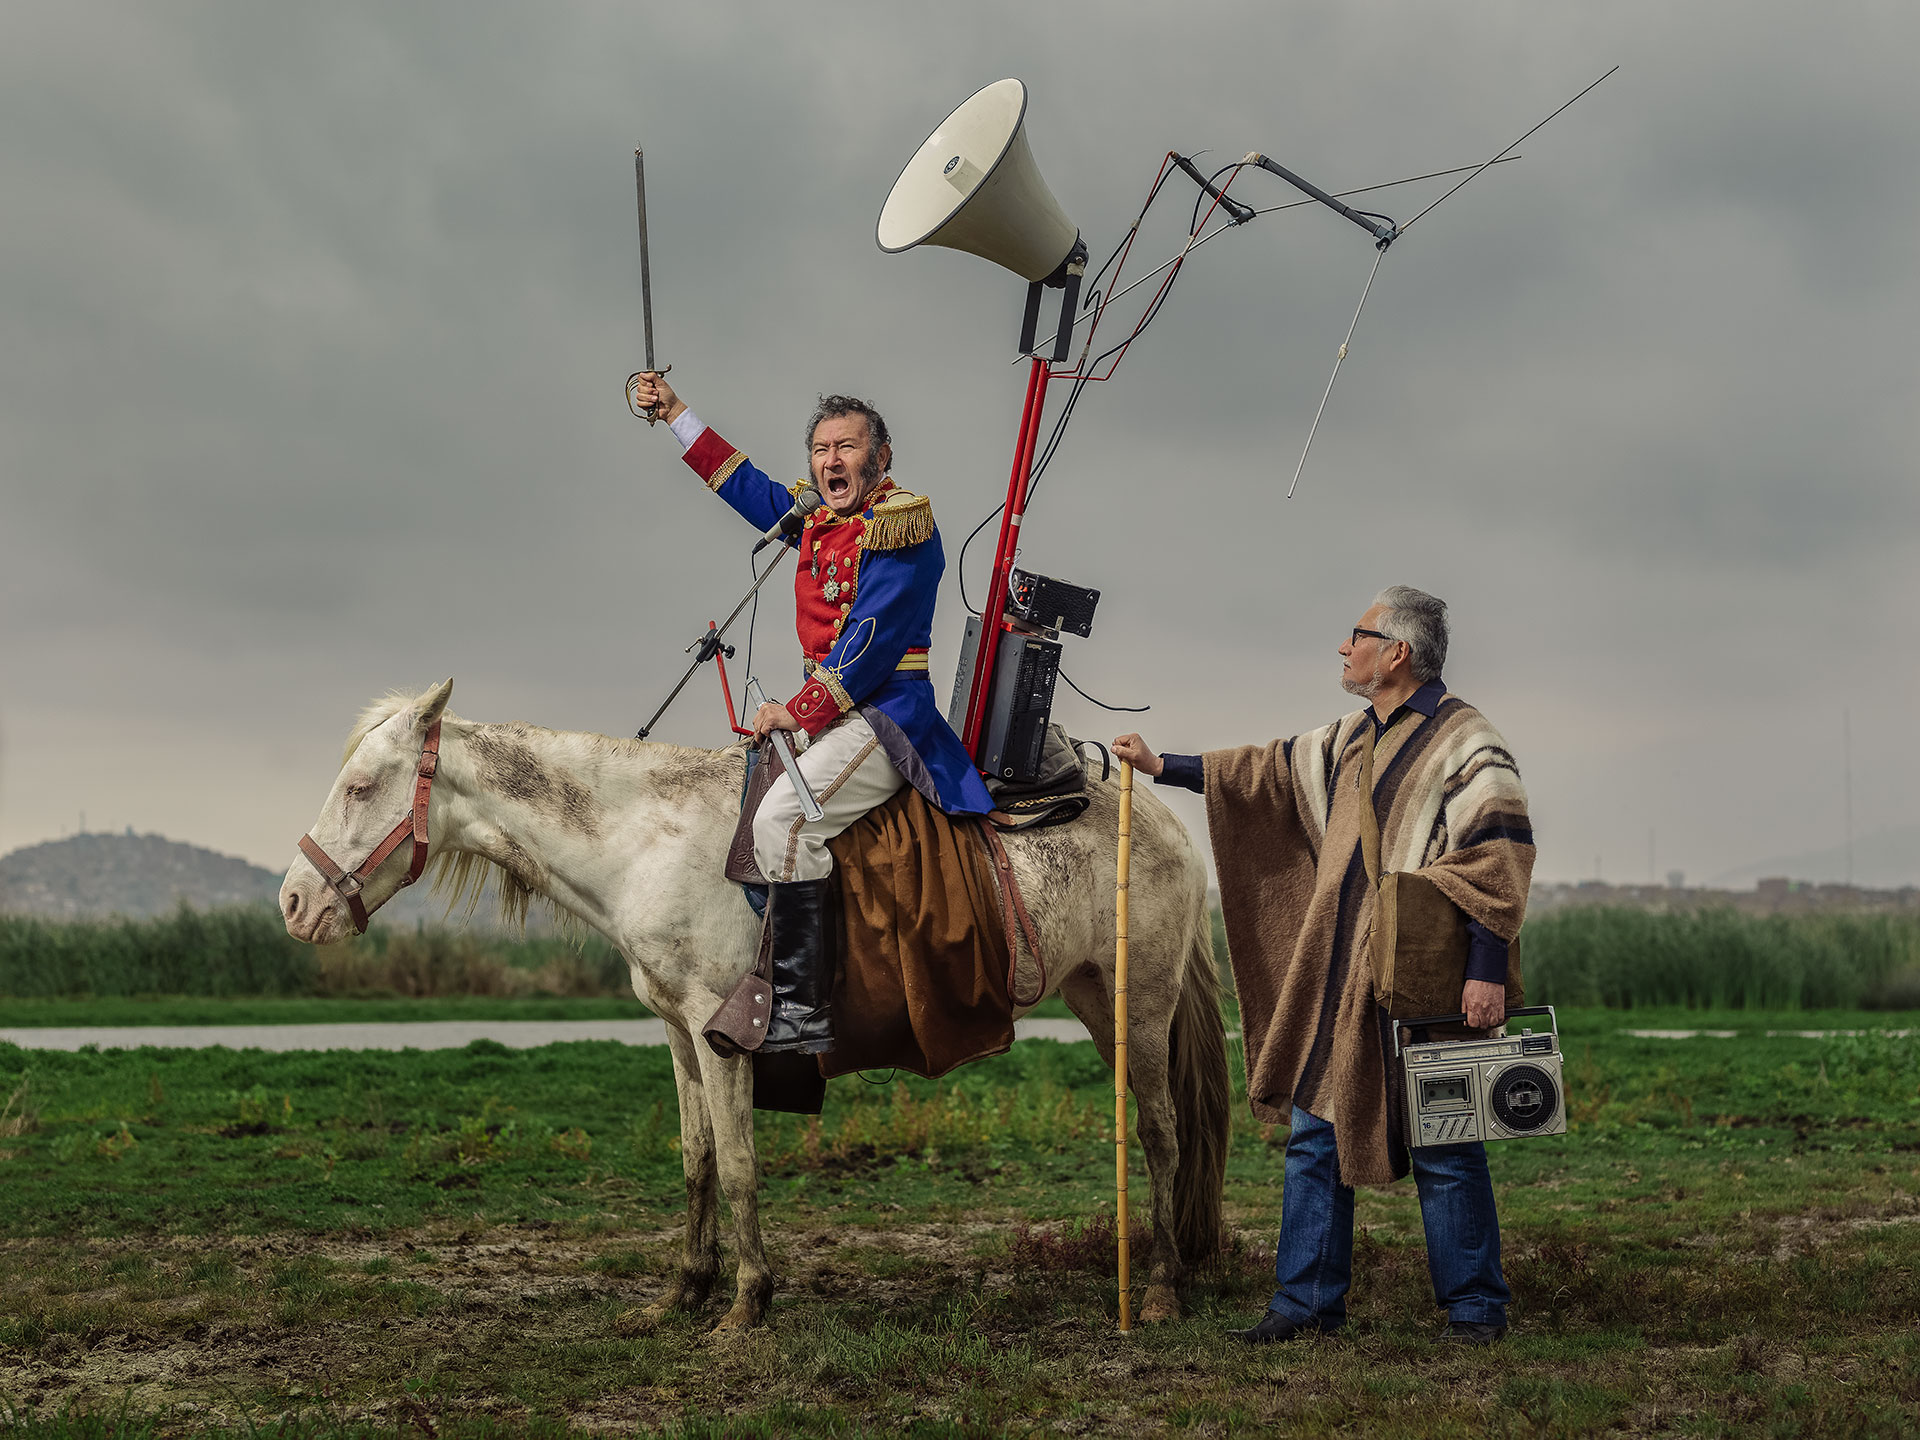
{"x": 1721, "y": 959}
{"x": 245, "y": 950}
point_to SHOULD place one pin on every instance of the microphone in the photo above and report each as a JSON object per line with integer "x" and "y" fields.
{"x": 804, "y": 504}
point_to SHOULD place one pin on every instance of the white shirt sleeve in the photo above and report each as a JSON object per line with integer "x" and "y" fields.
{"x": 687, "y": 428}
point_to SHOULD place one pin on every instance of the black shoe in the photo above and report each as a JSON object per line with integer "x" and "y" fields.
{"x": 800, "y": 916}
{"x": 1274, "y": 1327}
{"x": 1471, "y": 1332}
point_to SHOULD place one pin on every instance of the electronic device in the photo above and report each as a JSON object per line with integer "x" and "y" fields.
{"x": 1051, "y": 604}
{"x": 1025, "y": 668}
{"x": 1504, "y": 1087}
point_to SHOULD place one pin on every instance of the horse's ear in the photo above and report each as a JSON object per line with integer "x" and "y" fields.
{"x": 428, "y": 708}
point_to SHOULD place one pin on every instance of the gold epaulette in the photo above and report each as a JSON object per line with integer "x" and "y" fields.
{"x": 900, "y": 520}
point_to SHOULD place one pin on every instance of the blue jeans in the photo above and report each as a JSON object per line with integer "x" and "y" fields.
{"x": 1313, "y": 1263}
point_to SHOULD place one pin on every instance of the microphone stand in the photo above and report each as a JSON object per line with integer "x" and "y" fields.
{"x": 710, "y": 644}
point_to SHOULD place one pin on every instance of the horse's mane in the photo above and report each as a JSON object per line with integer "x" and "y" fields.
{"x": 462, "y": 876}
{"x": 376, "y": 714}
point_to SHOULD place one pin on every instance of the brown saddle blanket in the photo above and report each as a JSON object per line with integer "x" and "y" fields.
{"x": 924, "y": 982}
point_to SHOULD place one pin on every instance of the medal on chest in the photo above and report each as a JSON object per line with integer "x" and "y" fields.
{"x": 833, "y": 587}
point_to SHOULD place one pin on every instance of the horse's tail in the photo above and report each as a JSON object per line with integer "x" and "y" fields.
{"x": 1202, "y": 1104}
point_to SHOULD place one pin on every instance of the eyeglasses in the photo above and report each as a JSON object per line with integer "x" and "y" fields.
{"x": 1371, "y": 634}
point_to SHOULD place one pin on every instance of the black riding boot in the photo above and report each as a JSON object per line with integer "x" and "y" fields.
{"x": 801, "y": 916}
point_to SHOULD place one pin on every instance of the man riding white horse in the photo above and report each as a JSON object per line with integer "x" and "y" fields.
{"x": 869, "y": 569}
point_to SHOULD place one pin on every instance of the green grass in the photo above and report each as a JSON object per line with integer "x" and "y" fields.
{"x": 453, "y": 1243}
{"x": 308, "y": 1009}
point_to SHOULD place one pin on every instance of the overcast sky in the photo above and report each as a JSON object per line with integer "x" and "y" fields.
{"x": 313, "y": 324}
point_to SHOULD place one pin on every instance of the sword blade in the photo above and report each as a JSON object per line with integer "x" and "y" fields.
{"x": 646, "y": 273}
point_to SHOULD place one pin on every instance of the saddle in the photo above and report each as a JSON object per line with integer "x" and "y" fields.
{"x": 927, "y": 979}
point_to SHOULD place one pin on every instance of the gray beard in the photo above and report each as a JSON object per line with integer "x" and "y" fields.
{"x": 1365, "y": 689}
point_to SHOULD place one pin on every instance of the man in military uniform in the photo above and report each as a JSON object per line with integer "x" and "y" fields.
{"x": 870, "y": 562}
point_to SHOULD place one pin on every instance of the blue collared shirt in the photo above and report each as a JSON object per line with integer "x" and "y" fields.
{"x": 1486, "y": 952}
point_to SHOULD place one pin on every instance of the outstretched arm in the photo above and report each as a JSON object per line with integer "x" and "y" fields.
{"x": 757, "y": 497}
{"x": 1185, "y": 771}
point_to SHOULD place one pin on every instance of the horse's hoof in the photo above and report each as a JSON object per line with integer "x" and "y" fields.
{"x": 1159, "y": 1305}
{"x": 642, "y": 1320}
{"x": 740, "y": 1318}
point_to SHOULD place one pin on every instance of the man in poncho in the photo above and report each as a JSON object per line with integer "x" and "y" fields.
{"x": 1284, "y": 819}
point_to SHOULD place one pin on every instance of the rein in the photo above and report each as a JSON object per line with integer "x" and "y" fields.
{"x": 348, "y": 884}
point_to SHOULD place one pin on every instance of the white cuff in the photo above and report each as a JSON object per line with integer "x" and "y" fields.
{"x": 687, "y": 428}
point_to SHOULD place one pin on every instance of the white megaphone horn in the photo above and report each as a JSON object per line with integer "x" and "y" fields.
{"x": 973, "y": 186}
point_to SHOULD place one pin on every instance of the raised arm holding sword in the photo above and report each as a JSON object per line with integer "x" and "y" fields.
{"x": 869, "y": 569}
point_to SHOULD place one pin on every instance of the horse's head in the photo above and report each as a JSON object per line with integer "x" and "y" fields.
{"x": 371, "y": 805}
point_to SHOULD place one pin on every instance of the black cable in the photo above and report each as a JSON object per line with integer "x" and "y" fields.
{"x": 1080, "y": 381}
{"x": 1092, "y": 304}
{"x": 1117, "y": 709}
{"x": 1193, "y": 226}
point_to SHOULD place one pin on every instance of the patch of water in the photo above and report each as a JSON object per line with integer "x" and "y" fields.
{"x": 400, "y": 1035}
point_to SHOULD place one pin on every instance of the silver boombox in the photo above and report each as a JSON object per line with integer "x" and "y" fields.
{"x": 1505, "y": 1087}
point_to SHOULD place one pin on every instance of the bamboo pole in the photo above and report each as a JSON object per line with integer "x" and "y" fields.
{"x": 1120, "y": 1038}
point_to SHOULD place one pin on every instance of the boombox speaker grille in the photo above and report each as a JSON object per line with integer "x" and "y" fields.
{"x": 1524, "y": 1098}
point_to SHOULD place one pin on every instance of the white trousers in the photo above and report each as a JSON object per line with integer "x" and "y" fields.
{"x": 849, "y": 774}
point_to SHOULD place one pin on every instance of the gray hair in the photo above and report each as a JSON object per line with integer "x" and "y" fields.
{"x": 1420, "y": 620}
{"x": 832, "y": 407}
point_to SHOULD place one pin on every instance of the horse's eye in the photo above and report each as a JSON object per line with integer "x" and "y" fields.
{"x": 359, "y": 791}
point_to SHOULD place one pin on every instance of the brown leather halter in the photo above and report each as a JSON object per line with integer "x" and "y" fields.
{"x": 348, "y": 884}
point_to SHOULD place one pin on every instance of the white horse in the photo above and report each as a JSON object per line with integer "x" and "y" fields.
{"x": 630, "y": 838}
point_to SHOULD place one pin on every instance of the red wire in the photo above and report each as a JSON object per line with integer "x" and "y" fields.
{"x": 1166, "y": 282}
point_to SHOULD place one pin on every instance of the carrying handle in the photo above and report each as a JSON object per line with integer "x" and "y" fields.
{"x": 1422, "y": 1022}
{"x": 1461, "y": 1019}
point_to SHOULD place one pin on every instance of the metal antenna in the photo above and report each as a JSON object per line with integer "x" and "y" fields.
{"x": 1193, "y": 244}
{"x": 1516, "y": 144}
{"x": 1339, "y": 360}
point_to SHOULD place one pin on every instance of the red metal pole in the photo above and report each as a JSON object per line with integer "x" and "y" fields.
{"x": 991, "y": 617}
{"x": 720, "y": 659}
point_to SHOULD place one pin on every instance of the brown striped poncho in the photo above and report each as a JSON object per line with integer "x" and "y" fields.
{"x": 1285, "y": 824}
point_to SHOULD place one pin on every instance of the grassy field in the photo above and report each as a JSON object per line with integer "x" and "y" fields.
{"x": 452, "y": 1243}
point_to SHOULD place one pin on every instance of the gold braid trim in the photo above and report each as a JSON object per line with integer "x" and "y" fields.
{"x": 829, "y": 678}
{"x": 899, "y": 521}
{"x": 719, "y": 477}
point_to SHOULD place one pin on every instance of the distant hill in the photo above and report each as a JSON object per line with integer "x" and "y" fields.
{"x": 1886, "y": 859}
{"x": 91, "y": 875}
{"x": 94, "y": 875}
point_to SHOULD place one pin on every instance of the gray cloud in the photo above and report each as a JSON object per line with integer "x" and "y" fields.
{"x": 316, "y": 320}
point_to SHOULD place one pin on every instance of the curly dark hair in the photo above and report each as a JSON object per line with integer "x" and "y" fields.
{"x": 832, "y": 407}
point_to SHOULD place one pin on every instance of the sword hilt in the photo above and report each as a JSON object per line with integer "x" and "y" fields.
{"x": 648, "y": 415}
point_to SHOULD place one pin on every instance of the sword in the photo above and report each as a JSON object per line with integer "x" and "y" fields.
{"x": 646, "y": 290}
{"x": 810, "y": 807}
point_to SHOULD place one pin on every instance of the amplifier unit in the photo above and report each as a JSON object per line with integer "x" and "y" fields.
{"x": 1019, "y": 704}
{"x": 1052, "y": 604}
